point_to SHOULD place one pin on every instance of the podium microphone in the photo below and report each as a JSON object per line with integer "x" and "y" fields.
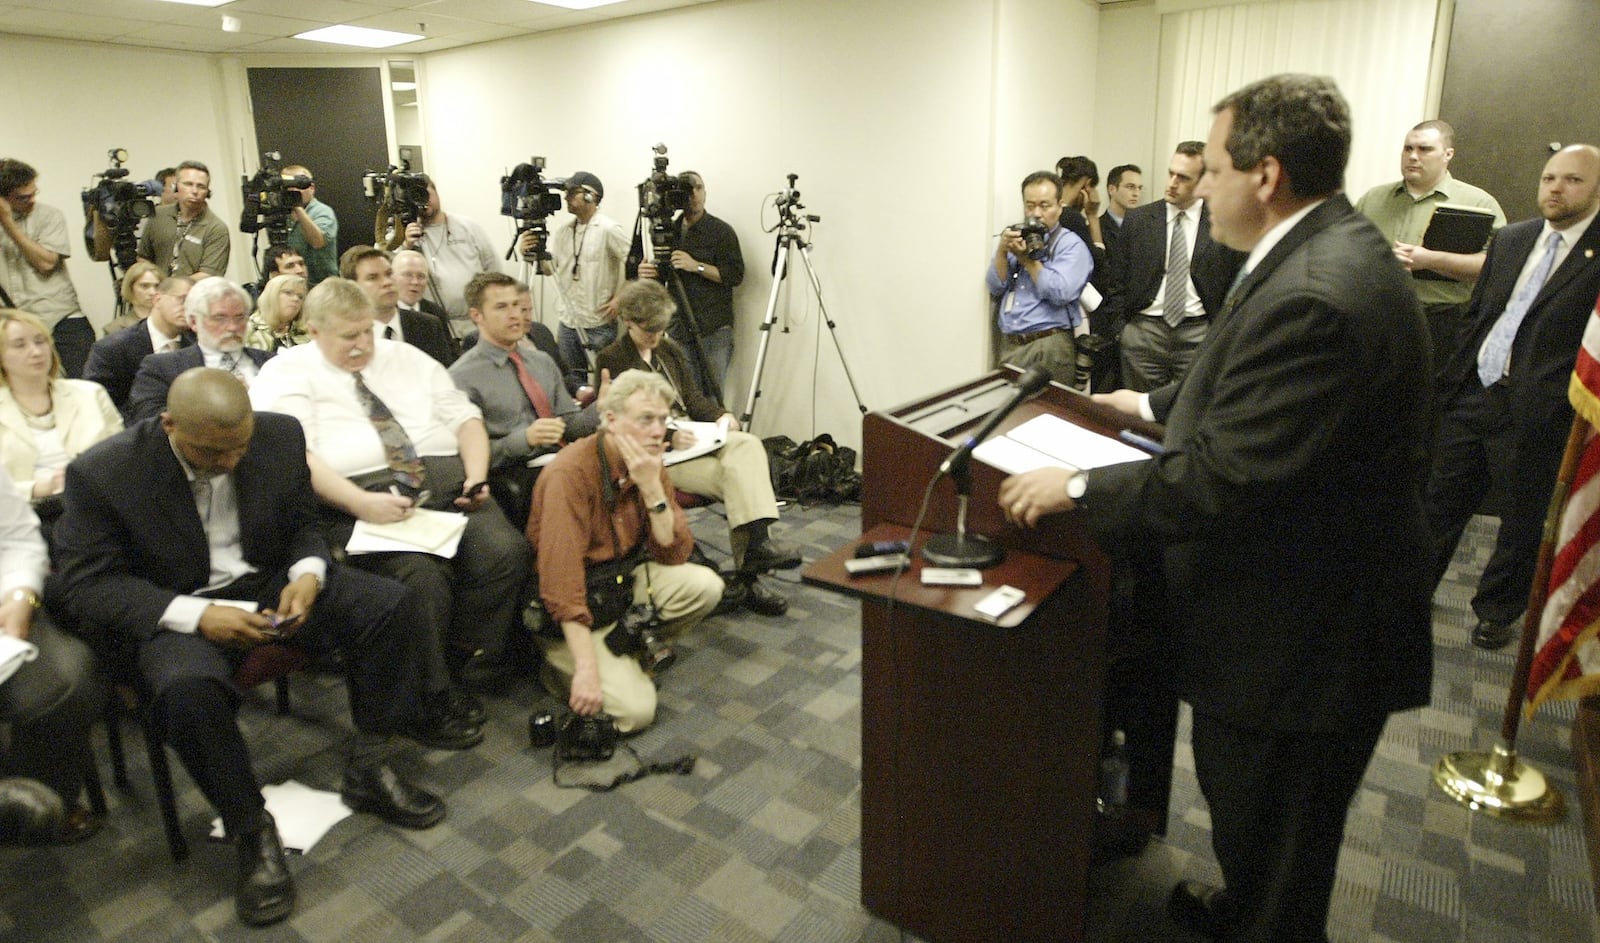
{"x": 961, "y": 549}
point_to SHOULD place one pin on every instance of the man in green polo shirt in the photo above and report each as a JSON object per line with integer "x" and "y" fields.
{"x": 1402, "y": 211}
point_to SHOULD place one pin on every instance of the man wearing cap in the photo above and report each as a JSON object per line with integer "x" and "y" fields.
{"x": 587, "y": 252}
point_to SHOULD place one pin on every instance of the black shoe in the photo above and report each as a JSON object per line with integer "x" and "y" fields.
{"x": 30, "y": 812}
{"x": 1200, "y": 908}
{"x": 78, "y": 825}
{"x": 483, "y": 673}
{"x": 445, "y": 732}
{"x": 466, "y": 709}
{"x": 265, "y": 893}
{"x": 762, "y": 601}
{"x": 734, "y": 590}
{"x": 380, "y": 791}
{"x": 768, "y": 555}
{"x": 1493, "y": 635}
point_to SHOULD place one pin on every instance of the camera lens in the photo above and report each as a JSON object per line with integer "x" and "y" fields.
{"x": 541, "y": 729}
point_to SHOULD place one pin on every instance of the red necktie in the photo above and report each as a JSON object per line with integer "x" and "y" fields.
{"x": 536, "y": 396}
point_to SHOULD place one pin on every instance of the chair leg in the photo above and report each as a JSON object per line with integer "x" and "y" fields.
{"x": 119, "y": 758}
{"x": 92, "y": 784}
{"x": 281, "y": 684}
{"x": 161, "y": 775}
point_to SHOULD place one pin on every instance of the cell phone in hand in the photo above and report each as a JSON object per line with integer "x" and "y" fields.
{"x": 481, "y": 487}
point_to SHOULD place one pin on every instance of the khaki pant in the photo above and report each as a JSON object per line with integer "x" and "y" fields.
{"x": 737, "y": 475}
{"x": 683, "y": 596}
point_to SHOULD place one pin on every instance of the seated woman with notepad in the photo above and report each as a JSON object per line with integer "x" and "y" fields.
{"x": 735, "y": 473}
{"x": 45, "y": 419}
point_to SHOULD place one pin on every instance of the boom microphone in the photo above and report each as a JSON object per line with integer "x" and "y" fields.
{"x": 1032, "y": 381}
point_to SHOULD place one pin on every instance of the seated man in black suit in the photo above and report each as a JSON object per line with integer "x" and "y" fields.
{"x": 114, "y": 359}
{"x": 192, "y": 538}
{"x": 371, "y": 269}
{"x": 219, "y": 313}
{"x": 412, "y": 277}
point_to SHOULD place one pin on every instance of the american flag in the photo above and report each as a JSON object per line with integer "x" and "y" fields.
{"x": 1566, "y": 661}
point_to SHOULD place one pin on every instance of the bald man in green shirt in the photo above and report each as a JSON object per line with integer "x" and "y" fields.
{"x": 1402, "y": 211}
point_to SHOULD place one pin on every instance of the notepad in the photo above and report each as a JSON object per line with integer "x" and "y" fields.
{"x": 1052, "y": 442}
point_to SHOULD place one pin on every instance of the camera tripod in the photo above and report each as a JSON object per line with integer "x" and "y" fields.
{"x": 791, "y": 235}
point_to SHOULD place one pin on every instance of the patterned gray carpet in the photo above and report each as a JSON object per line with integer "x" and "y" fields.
{"x": 760, "y": 842}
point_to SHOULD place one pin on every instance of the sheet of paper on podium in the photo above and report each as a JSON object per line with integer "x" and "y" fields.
{"x": 1052, "y": 442}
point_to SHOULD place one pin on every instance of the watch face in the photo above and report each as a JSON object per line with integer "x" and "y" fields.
{"x": 1077, "y": 485}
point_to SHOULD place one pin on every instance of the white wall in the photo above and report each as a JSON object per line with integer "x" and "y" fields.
{"x": 890, "y": 119}
{"x": 72, "y": 102}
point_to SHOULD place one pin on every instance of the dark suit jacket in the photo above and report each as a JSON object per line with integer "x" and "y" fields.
{"x": 156, "y": 373}
{"x": 114, "y": 361}
{"x": 1546, "y": 344}
{"x": 621, "y": 354}
{"x": 1289, "y": 501}
{"x": 1111, "y": 232}
{"x": 428, "y": 334}
{"x": 130, "y": 539}
{"x": 1140, "y": 262}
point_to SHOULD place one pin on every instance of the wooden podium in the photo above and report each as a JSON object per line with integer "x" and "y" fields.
{"x": 979, "y": 740}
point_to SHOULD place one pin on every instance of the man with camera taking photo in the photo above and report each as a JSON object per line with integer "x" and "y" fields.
{"x": 585, "y": 521}
{"x": 33, "y": 264}
{"x": 1037, "y": 273}
{"x": 315, "y": 234}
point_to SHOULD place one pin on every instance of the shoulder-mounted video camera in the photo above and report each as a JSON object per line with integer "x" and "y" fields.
{"x": 527, "y": 197}
{"x": 401, "y": 195}
{"x": 270, "y": 199}
{"x": 117, "y": 204}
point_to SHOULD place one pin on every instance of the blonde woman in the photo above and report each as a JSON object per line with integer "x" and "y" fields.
{"x": 45, "y": 419}
{"x": 276, "y": 322}
{"x": 139, "y": 286}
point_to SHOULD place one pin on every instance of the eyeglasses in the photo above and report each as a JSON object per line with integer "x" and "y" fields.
{"x": 226, "y": 318}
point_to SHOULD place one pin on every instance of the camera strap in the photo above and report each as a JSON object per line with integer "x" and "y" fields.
{"x": 5, "y": 299}
{"x": 608, "y": 492}
{"x": 682, "y": 766}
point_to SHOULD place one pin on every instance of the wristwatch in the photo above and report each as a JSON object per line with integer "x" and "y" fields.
{"x": 658, "y": 507}
{"x": 1077, "y": 485}
{"x": 701, "y": 269}
{"x": 26, "y": 595}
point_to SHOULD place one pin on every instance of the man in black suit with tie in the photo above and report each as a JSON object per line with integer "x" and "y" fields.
{"x": 1288, "y": 510}
{"x": 411, "y": 277}
{"x": 372, "y": 270}
{"x": 1124, "y": 187}
{"x": 1158, "y": 319}
{"x": 1506, "y": 414}
{"x": 114, "y": 359}
{"x": 189, "y": 540}
{"x": 218, "y": 312}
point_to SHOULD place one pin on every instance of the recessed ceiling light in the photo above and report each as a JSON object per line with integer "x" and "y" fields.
{"x": 201, "y": 3}
{"x": 358, "y": 36}
{"x": 577, "y": 4}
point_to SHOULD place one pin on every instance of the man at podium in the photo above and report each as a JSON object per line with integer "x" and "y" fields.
{"x": 1287, "y": 509}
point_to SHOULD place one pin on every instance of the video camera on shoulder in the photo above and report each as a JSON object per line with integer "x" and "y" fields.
{"x": 530, "y": 199}
{"x": 120, "y": 204}
{"x": 1034, "y": 233}
{"x": 270, "y": 199}
{"x": 399, "y": 188}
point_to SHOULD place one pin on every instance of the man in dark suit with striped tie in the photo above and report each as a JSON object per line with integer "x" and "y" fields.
{"x": 218, "y": 312}
{"x": 372, "y": 269}
{"x": 114, "y": 359}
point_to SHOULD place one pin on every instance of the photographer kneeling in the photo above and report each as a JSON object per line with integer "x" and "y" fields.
{"x": 608, "y": 533}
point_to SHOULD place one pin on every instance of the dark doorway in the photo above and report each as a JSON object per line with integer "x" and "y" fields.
{"x": 1518, "y": 79}
{"x": 332, "y": 121}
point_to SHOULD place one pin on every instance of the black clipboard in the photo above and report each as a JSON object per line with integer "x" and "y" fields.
{"x": 1460, "y": 229}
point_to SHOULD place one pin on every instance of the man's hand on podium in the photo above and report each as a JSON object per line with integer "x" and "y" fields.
{"x": 1123, "y": 401}
{"x": 1027, "y": 497}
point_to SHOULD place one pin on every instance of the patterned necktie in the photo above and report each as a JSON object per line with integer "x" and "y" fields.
{"x": 1176, "y": 300}
{"x": 388, "y": 332}
{"x": 536, "y": 394}
{"x": 397, "y": 447}
{"x": 230, "y": 363}
{"x": 1496, "y": 355}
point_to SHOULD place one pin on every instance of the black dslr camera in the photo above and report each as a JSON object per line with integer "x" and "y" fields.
{"x": 270, "y": 199}
{"x": 638, "y": 633}
{"x": 1033, "y": 232}
{"x": 120, "y": 204}
{"x": 586, "y": 739}
{"x": 527, "y": 197}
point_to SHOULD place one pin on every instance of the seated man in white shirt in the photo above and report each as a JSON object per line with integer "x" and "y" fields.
{"x": 387, "y": 431}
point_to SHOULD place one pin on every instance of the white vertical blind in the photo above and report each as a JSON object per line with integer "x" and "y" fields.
{"x": 1378, "y": 51}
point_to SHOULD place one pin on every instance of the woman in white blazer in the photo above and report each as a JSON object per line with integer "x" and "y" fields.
{"x": 45, "y": 419}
